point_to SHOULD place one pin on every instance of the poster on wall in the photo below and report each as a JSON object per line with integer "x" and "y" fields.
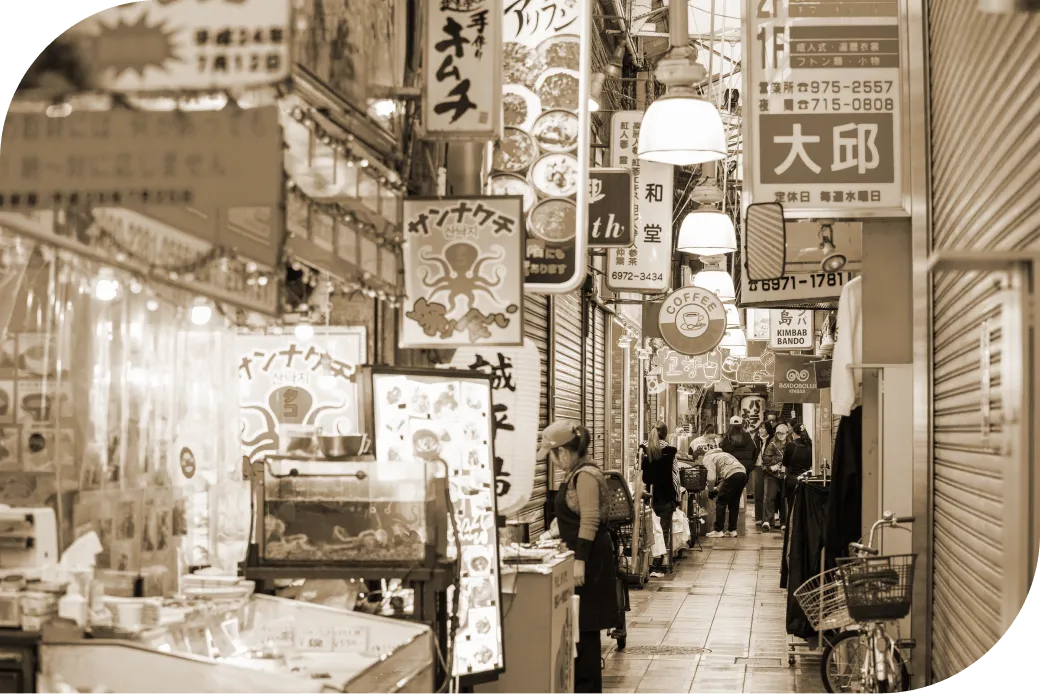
{"x": 463, "y": 97}
{"x": 645, "y": 266}
{"x": 287, "y": 383}
{"x": 795, "y": 379}
{"x": 543, "y": 152}
{"x": 463, "y": 272}
{"x": 823, "y": 111}
{"x": 515, "y": 412}
{"x": 791, "y": 329}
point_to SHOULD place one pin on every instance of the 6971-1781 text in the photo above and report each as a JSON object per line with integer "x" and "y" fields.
{"x": 816, "y": 280}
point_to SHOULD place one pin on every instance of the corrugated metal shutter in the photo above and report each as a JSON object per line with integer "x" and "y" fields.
{"x": 594, "y": 377}
{"x": 536, "y": 328}
{"x": 567, "y": 357}
{"x": 985, "y": 75}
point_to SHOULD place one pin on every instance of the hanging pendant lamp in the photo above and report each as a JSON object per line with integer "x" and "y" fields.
{"x": 735, "y": 342}
{"x": 732, "y": 316}
{"x": 707, "y": 232}
{"x": 718, "y": 282}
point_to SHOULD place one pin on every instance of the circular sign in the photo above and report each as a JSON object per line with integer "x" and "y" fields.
{"x": 692, "y": 321}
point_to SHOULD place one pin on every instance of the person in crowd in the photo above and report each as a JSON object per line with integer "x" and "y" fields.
{"x": 580, "y": 507}
{"x": 738, "y": 443}
{"x": 727, "y": 478}
{"x": 772, "y": 465}
{"x": 798, "y": 459}
{"x": 661, "y": 474}
{"x": 761, "y": 440}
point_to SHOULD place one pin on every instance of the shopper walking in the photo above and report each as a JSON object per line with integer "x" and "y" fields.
{"x": 797, "y": 460}
{"x": 661, "y": 474}
{"x": 738, "y": 444}
{"x": 727, "y": 478}
{"x": 761, "y": 440}
{"x": 772, "y": 465}
{"x": 581, "y": 515}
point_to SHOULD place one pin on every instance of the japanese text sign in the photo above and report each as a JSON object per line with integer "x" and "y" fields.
{"x": 823, "y": 107}
{"x": 543, "y": 152}
{"x": 227, "y": 158}
{"x": 463, "y": 98}
{"x": 645, "y": 266}
{"x": 463, "y": 272}
{"x": 610, "y": 207}
{"x": 285, "y": 381}
{"x": 515, "y": 409}
{"x": 795, "y": 379}
{"x": 189, "y": 45}
{"x": 791, "y": 329}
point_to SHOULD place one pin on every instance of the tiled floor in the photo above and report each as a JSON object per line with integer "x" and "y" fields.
{"x": 716, "y": 624}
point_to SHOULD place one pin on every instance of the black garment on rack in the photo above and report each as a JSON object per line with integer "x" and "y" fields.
{"x": 802, "y": 544}
{"x": 845, "y": 503}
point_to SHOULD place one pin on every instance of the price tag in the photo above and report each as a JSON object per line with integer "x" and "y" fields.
{"x": 314, "y": 640}
{"x": 350, "y": 639}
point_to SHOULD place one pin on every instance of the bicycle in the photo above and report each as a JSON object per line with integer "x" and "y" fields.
{"x": 877, "y": 591}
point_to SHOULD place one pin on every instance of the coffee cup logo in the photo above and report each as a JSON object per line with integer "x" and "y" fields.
{"x": 692, "y": 321}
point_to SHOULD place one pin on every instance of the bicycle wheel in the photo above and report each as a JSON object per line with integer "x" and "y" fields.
{"x": 841, "y": 667}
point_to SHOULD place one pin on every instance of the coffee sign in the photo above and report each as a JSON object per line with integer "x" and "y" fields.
{"x": 692, "y": 320}
{"x": 610, "y": 207}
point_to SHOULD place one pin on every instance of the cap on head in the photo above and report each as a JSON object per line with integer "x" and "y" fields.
{"x": 699, "y": 446}
{"x": 557, "y": 434}
{"x": 736, "y": 420}
{"x": 783, "y": 429}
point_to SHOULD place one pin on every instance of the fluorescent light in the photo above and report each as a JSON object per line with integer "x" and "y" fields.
{"x": 106, "y": 288}
{"x": 304, "y": 331}
{"x": 681, "y": 130}
{"x": 707, "y": 232}
{"x": 716, "y": 281}
{"x": 384, "y": 108}
{"x": 201, "y": 312}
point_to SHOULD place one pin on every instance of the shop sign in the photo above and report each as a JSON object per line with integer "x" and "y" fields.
{"x": 646, "y": 265}
{"x": 793, "y": 289}
{"x": 685, "y": 369}
{"x": 515, "y": 416}
{"x": 463, "y": 98}
{"x": 692, "y": 320}
{"x": 795, "y": 380}
{"x": 823, "y": 105}
{"x": 823, "y": 373}
{"x": 791, "y": 329}
{"x": 610, "y": 207}
{"x": 749, "y": 370}
{"x": 285, "y": 382}
{"x": 757, "y": 324}
{"x": 752, "y": 409}
{"x": 184, "y": 45}
{"x": 122, "y": 158}
{"x": 463, "y": 272}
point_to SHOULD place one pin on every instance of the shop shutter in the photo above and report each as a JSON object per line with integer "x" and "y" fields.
{"x": 536, "y": 328}
{"x": 594, "y": 377}
{"x": 567, "y": 357}
{"x": 985, "y": 166}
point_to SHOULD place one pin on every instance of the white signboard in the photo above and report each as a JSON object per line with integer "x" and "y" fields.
{"x": 793, "y": 289}
{"x": 515, "y": 409}
{"x": 791, "y": 329}
{"x": 757, "y": 323}
{"x": 823, "y": 107}
{"x": 463, "y": 98}
{"x": 646, "y": 265}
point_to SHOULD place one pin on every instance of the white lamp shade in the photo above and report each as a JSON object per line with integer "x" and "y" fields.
{"x": 681, "y": 130}
{"x": 707, "y": 232}
{"x": 716, "y": 281}
{"x": 732, "y": 316}
{"x": 735, "y": 342}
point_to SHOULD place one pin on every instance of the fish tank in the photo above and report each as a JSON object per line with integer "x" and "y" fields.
{"x": 316, "y": 511}
{"x": 259, "y": 644}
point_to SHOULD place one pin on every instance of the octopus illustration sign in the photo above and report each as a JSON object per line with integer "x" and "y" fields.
{"x": 463, "y": 272}
{"x": 692, "y": 321}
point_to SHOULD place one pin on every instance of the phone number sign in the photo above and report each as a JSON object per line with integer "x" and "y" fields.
{"x": 823, "y": 107}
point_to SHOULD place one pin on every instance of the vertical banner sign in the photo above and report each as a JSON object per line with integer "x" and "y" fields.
{"x": 791, "y": 329}
{"x": 795, "y": 379}
{"x": 823, "y": 107}
{"x": 515, "y": 409}
{"x": 610, "y": 208}
{"x": 463, "y": 272}
{"x": 463, "y": 99}
{"x": 646, "y": 265}
{"x": 544, "y": 150}
{"x": 752, "y": 411}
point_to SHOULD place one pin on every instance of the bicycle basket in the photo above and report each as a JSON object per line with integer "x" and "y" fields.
{"x": 878, "y": 589}
{"x": 822, "y": 599}
{"x": 620, "y": 508}
{"x": 694, "y": 478}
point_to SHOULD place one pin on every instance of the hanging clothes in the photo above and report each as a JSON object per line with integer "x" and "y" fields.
{"x": 846, "y": 383}
{"x": 802, "y": 544}
{"x": 845, "y": 502}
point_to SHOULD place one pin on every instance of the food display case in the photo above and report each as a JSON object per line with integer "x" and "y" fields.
{"x": 263, "y": 644}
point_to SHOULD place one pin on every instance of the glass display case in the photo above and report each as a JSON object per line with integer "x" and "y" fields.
{"x": 263, "y": 644}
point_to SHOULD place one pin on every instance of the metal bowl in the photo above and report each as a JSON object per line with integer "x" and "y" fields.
{"x": 342, "y": 446}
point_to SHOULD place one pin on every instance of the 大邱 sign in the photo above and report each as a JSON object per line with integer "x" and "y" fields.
{"x": 610, "y": 207}
{"x": 645, "y": 266}
{"x": 463, "y": 98}
{"x": 795, "y": 379}
{"x": 463, "y": 272}
{"x": 791, "y": 329}
{"x": 692, "y": 320}
{"x": 823, "y": 108}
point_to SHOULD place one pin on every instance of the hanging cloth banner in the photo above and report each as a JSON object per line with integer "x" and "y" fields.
{"x": 515, "y": 413}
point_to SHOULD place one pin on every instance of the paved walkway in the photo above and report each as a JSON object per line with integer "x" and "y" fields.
{"x": 714, "y": 625}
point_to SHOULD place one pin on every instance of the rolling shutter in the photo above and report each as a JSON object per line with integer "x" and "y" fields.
{"x": 536, "y": 328}
{"x": 985, "y": 196}
{"x": 567, "y": 359}
{"x": 594, "y": 377}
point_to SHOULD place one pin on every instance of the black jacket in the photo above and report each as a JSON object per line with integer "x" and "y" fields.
{"x": 797, "y": 459}
{"x": 659, "y": 474}
{"x": 746, "y": 453}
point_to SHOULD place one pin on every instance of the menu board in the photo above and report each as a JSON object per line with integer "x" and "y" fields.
{"x": 446, "y": 418}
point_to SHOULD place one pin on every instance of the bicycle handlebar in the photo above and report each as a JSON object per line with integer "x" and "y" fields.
{"x": 857, "y": 547}
{"x": 903, "y": 519}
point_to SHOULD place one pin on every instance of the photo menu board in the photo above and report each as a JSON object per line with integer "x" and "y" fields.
{"x": 445, "y": 417}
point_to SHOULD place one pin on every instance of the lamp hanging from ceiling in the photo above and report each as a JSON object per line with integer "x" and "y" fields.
{"x": 718, "y": 282}
{"x": 735, "y": 342}
{"x": 707, "y": 232}
{"x": 732, "y": 316}
{"x": 680, "y": 128}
